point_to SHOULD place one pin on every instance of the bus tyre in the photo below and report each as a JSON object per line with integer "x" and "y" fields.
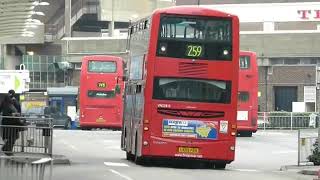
{"x": 137, "y": 159}
{"x": 67, "y": 125}
{"x": 220, "y": 165}
{"x": 247, "y": 134}
{"x": 129, "y": 156}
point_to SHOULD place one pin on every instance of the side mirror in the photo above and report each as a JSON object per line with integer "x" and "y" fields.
{"x": 117, "y": 89}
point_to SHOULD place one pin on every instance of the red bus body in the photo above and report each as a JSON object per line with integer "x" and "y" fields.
{"x": 101, "y": 91}
{"x": 248, "y": 94}
{"x": 160, "y": 127}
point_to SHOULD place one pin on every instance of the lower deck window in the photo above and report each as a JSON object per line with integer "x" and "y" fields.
{"x": 193, "y": 90}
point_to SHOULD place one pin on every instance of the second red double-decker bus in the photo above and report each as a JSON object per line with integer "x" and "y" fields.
{"x": 101, "y": 91}
{"x": 181, "y": 94}
{"x": 248, "y": 94}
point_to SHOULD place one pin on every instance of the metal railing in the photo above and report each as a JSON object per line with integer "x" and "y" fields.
{"x": 287, "y": 120}
{"x": 26, "y": 147}
{"x": 16, "y": 168}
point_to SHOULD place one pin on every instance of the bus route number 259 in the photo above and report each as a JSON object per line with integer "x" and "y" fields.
{"x": 194, "y": 51}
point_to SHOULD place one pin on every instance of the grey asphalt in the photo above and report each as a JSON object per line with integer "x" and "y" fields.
{"x": 96, "y": 155}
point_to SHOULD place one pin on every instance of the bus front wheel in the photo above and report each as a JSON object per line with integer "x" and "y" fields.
{"x": 245, "y": 134}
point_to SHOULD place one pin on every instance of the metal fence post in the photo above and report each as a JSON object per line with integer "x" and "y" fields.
{"x": 291, "y": 120}
{"x": 318, "y": 131}
{"x": 264, "y": 119}
{"x": 298, "y": 147}
{"x": 22, "y": 141}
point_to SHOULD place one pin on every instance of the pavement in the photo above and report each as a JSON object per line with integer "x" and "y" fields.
{"x": 302, "y": 169}
{"x": 29, "y": 158}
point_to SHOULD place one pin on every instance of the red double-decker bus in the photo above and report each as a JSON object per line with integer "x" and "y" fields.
{"x": 181, "y": 94}
{"x": 247, "y": 116}
{"x": 101, "y": 91}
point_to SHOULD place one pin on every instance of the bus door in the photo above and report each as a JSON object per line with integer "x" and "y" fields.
{"x": 129, "y": 104}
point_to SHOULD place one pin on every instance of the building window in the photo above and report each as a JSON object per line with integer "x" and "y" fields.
{"x": 291, "y": 61}
{"x": 276, "y": 61}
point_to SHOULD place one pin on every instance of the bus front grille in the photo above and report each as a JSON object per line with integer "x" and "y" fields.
{"x": 193, "y": 69}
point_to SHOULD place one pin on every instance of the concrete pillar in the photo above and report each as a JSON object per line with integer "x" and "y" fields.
{"x": 3, "y": 50}
{"x": 111, "y": 24}
{"x": 67, "y": 18}
{"x": 1, "y": 57}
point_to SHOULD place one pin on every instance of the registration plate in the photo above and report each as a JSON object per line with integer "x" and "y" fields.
{"x": 101, "y": 85}
{"x": 100, "y": 120}
{"x": 189, "y": 150}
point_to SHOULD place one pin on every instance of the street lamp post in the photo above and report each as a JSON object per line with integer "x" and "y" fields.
{"x": 198, "y": 2}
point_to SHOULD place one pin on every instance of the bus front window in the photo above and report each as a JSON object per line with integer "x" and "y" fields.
{"x": 193, "y": 90}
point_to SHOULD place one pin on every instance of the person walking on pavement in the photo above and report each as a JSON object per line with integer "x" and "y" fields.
{"x": 9, "y": 134}
{"x": 16, "y": 103}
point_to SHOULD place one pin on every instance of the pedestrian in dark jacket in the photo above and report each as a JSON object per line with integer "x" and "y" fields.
{"x": 16, "y": 103}
{"x": 9, "y": 133}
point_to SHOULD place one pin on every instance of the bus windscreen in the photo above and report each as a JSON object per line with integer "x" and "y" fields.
{"x": 192, "y": 90}
{"x": 195, "y": 37}
{"x": 102, "y": 66}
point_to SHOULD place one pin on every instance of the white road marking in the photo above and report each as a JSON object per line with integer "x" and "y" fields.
{"x": 246, "y": 170}
{"x": 119, "y": 174}
{"x": 73, "y": 147}
{"x": 110, "y": 141}
{"x": 284, "y": 152}
{"x": 112, "y": 147}
{"x": 70, "y": 145}
{"x": 116, "y": 164}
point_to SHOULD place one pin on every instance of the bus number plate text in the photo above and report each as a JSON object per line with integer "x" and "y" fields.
{"x": 188, "y": 150}
{"x": 102, "y": 85}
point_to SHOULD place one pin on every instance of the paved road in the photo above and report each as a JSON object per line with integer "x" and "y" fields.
{"x": 96, "y": 155}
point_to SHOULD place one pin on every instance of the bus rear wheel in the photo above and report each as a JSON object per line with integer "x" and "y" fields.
{"x": 220, "y": 165}
{"x": 137, "y": 159}
{"x": 129, "y": 156}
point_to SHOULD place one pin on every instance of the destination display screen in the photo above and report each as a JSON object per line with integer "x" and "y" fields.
{"x": 195, "y": 37}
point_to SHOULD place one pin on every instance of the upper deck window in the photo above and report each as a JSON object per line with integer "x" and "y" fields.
{"x": 102, "y": 66}
{"x": 244, "y": 62}
{"x": 194, "y": 37}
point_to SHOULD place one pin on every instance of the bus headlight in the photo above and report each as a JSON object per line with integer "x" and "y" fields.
{"x": 163, "y": 48}
{"x": 145, "y": 143}
{"x": 232, "y": 148}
